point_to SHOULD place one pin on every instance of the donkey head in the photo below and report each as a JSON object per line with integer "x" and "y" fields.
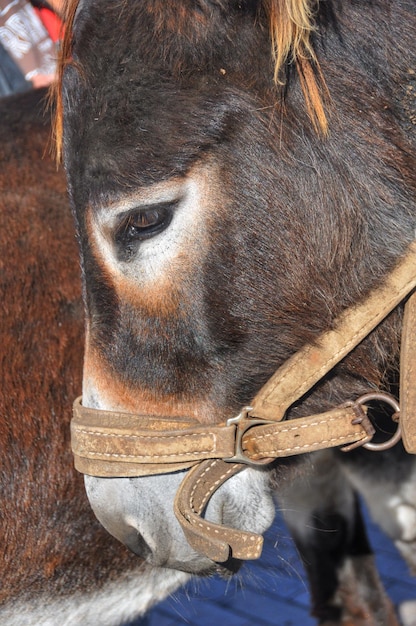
{"x": 208, "y": 229}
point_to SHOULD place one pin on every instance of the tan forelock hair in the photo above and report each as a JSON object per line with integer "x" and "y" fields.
{"x": 291, "y": 24}
{"x": 64, "y": 59}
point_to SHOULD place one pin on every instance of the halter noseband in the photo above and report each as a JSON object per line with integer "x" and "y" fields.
{"x": 110, "y": 443}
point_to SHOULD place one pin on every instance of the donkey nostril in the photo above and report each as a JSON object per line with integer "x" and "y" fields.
{"x": 136, "y": 543}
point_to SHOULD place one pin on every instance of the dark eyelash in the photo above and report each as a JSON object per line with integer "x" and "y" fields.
{"x": 137, "y": 225}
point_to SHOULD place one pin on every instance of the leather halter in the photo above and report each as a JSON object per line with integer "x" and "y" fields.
{"x": 111, "y": 443}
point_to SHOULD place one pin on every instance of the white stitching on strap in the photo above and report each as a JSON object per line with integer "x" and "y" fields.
{"x": 308, "y": 445}
{"x": 121, "y": 436}
{"x": 143, "y": 456}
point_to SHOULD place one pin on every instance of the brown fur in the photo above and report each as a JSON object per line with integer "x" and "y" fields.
{"x": 50, "y": 542}
{"x": 121, "y": 396}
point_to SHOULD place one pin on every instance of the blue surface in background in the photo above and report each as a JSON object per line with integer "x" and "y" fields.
{"x": 271, "y": 591}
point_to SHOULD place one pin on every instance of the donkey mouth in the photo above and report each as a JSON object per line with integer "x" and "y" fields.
{"x": 225, "y": 570}
{"x": 229, "y": 568}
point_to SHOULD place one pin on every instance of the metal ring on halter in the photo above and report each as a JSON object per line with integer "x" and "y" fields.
{"x": 390, "y": 400}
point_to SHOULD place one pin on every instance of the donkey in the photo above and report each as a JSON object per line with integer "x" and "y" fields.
{"x": 241, "y": 173}
{"x": 58, "y": 566}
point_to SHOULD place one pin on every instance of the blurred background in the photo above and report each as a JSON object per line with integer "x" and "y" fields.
{"x": 273, "y": 591}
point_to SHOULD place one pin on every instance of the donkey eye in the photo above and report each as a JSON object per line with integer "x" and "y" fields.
{"x": 141, "y": 224}
{"x": 144, "y": 223}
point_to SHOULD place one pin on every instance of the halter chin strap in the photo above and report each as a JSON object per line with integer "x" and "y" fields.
{"x": 110, "y": 443}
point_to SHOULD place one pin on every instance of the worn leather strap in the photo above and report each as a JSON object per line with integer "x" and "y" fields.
{"x": 218, "y": 543}
{"x": 113, "y": 443}
{"x": 281, "y": 439}
{"x": 107, "y": 443}
{"x": 408, "y": 376}
{"x": 302, "y": 371}
{"x": 338, "y": 427}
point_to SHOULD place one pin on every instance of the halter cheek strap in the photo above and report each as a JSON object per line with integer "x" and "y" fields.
{"x": 408, "y": 377}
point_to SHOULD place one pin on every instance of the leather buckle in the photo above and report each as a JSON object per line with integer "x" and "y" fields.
{"x": 243, "y": 423}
